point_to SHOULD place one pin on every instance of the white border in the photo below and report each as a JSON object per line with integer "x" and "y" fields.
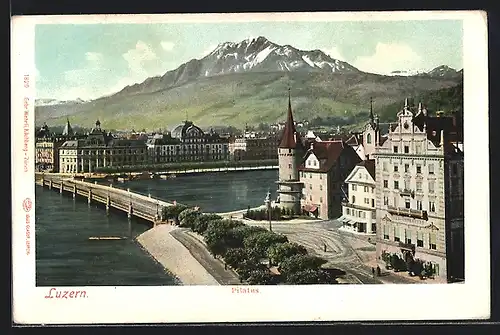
{"x": 469, "y": 300}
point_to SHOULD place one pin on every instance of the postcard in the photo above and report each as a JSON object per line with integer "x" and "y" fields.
{"x": 258, "y": 167}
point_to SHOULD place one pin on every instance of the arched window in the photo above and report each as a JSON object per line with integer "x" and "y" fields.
{"x": 369, "y": 138}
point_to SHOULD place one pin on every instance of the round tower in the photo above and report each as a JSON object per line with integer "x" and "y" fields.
{"x": 290, "y": 152}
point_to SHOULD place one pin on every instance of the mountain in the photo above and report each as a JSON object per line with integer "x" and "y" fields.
{"x": 443, "y": 71}
{"x": 245, "y": 82}
{"x": 250, "y": 55}
{"x": 53, "y": 102}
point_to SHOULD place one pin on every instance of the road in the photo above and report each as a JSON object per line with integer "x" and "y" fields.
{"x": 343, "y": 251}
{"x": 202, "y": 255}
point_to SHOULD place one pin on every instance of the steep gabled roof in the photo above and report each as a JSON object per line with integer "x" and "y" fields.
{"x": 327, "y": 152}
{"x": 369, "y": 165}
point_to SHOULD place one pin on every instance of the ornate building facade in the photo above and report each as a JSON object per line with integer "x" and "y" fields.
{"x": 99, "y": 150}
{"x": 253, "y": 147}
{"x": 419, "y": 192}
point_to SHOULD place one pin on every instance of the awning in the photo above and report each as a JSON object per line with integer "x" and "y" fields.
{"x": 310, "y": 208}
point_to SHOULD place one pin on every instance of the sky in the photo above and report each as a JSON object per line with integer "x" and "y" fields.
{"x": 88, "y": 61}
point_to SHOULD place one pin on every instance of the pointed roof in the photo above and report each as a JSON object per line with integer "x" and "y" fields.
{"x": 67, "y": 128}
{"x": 290, "y": 138}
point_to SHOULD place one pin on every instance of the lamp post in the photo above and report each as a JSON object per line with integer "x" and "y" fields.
{"x": 267, "y": 201}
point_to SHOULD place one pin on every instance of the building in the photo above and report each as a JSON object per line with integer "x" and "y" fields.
{"x": 47, "y": 146}
{"x": 419, "y": 192}
{"x": 323, "y": 172}
{"x": 165, "y": 149}
{"x": 371, "y": 131}
{"x": 358, "y": 209}
{"x": 290, "y": 153}
{"x": 251, "y": 146}
{"x": 100, "y": 150}
{"x": 194, "y": 145}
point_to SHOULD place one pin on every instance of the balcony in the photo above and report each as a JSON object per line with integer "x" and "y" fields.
{"x": 407, "y": 192}
{"x": 414, "y": 213}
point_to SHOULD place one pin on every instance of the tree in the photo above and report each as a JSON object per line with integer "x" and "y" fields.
{"x": 309, "y": 276}
{"x": 281, "y": 251}
{"x": 172, "y": 212}
{"x": 260, "y": 277}
{"x": 201, "y": 222}
{"x": 234, "y": 257}
{"x": 216, "y": 234}
{"x": 248, "y": 266}
{"x": 187, "y": 217}
{"x": 263, "y": 240}
{"x": 297, "y": 263}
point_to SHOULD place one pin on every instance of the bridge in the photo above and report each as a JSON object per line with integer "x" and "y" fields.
{"x": 145, "y": 207}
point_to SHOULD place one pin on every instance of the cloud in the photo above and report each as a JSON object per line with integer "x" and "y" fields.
{"x": 389, "y": 57}
{"x": 93, "y": 57}
{"x": 137, "y": 57}
{"x": 167, "y": 46}
{"x": 334, "y": 52}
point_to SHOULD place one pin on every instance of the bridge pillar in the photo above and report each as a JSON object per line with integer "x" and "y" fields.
{"x": 74, "y": 191}
{"x": 61, "y": 187}
{"x": 108, "y": 202}
{"x": 43, "y": 182}
{"x": 130, "y": 210}
{"x": 89, "y": 199}
{"x": 50, "y": 184}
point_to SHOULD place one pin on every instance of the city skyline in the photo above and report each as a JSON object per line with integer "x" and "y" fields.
{"x": 92, "y": 60}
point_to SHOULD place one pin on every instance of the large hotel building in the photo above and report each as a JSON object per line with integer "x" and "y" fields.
{"x": 419, "y": 192}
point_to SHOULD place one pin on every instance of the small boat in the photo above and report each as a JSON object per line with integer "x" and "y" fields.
{"x": 106, "y": 238}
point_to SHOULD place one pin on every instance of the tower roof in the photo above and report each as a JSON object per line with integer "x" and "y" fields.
{"x": 290, "y": 138}
{"x": 67, "y": 129}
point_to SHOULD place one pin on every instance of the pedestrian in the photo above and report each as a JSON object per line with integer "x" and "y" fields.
{"x": 378, "y": 271}
{"x": 324, "y": 247}
{"x": 373, "y": 272}
{"x": 225, "y": 266}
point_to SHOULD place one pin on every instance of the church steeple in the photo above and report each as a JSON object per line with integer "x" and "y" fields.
{"x": 67, "y": 131}
{"x": 371, "y": 110}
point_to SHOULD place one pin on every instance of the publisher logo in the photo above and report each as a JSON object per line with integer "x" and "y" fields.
{"x": 27, "y": 204}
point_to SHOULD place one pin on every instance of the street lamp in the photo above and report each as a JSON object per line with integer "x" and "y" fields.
{"x": 267, "y": 201}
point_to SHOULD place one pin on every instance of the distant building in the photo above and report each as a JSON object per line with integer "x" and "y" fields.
{"x": 188, "y": 143}
{"x": 419, "y": 191}
{"x": 323, "y": 172}
{"x": 290, "y": 153}
{"x": 99, "y": 150}
{"x": 47, "y": 147}
{"x": 252, "y": 146}
{"x": 358, "y": 209}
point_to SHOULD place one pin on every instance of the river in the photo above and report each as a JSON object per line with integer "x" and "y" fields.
{"x": 66, "y": 257}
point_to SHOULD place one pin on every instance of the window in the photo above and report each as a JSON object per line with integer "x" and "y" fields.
{"x": 367, "y": 201}
{"x": 310, "y": 186}
{"x": 314, "y": 163}
{"x": 431, "y": 168}
{"x": 384, "y": 166}
{"x": 386, "y": 232}
{"x": 432, "y": 207}
{"x": 347, "y": 211}
{"x": 353, "y": 199}
{"x": 310, "y": 175}
{"x": 321, "y": 200}
{"x": 396, "y": 185}
{"x": 396, "y": 234}
{"x": 407, "y": 236}
{"x": 420, "y": 239}
{"x": 407, "y": 149}
{"x": 431, "y": 186}
{"x": 396, "y": 168}
{"x": 369, "y": 138}
{"x": 419, "y": 168}
{"x": 386, "y": 200}
{"x": 366, "y": 189}
{"x": 354, "y": 187}
{"x": 373, "y": 202}
{"x": 419, "y": 205}
{"x": 432, "y": 241}
{"x": 362, "y": 215}
{"x": 386, "y": 183}
{"x": 321, "y": 187}
{"x": 407, "y": 167}
{"x": 407, "y": 203}
{"x": 407, "y": 184}
{"x": 310, "y": 198}
{"x": 289, "y": 166}
{"x": 373, "y": 189}
{"x": 320, "y": 176}
{"x": 395, "y": 148}
{"x": 419, "y": 186}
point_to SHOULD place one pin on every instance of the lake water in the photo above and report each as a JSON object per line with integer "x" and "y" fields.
{"x": 66, "y": 257}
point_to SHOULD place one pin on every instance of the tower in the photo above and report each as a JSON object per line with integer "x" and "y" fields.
{"x": 290, "y": 153}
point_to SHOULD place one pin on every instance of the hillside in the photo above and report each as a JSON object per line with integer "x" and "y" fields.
{"x": 245, "y": 82}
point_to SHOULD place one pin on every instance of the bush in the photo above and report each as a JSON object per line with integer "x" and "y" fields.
{"x": 201, "y": 222}
{"x": 263, "y": 240}
{"x": 310, "y": 276}
{"x": 297, "y": 263}
{"x": 172, "y": 212}
{"x": 279, "y": 252}
{"x": 217, "y": 234}
{"x": 260, "y": 277}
